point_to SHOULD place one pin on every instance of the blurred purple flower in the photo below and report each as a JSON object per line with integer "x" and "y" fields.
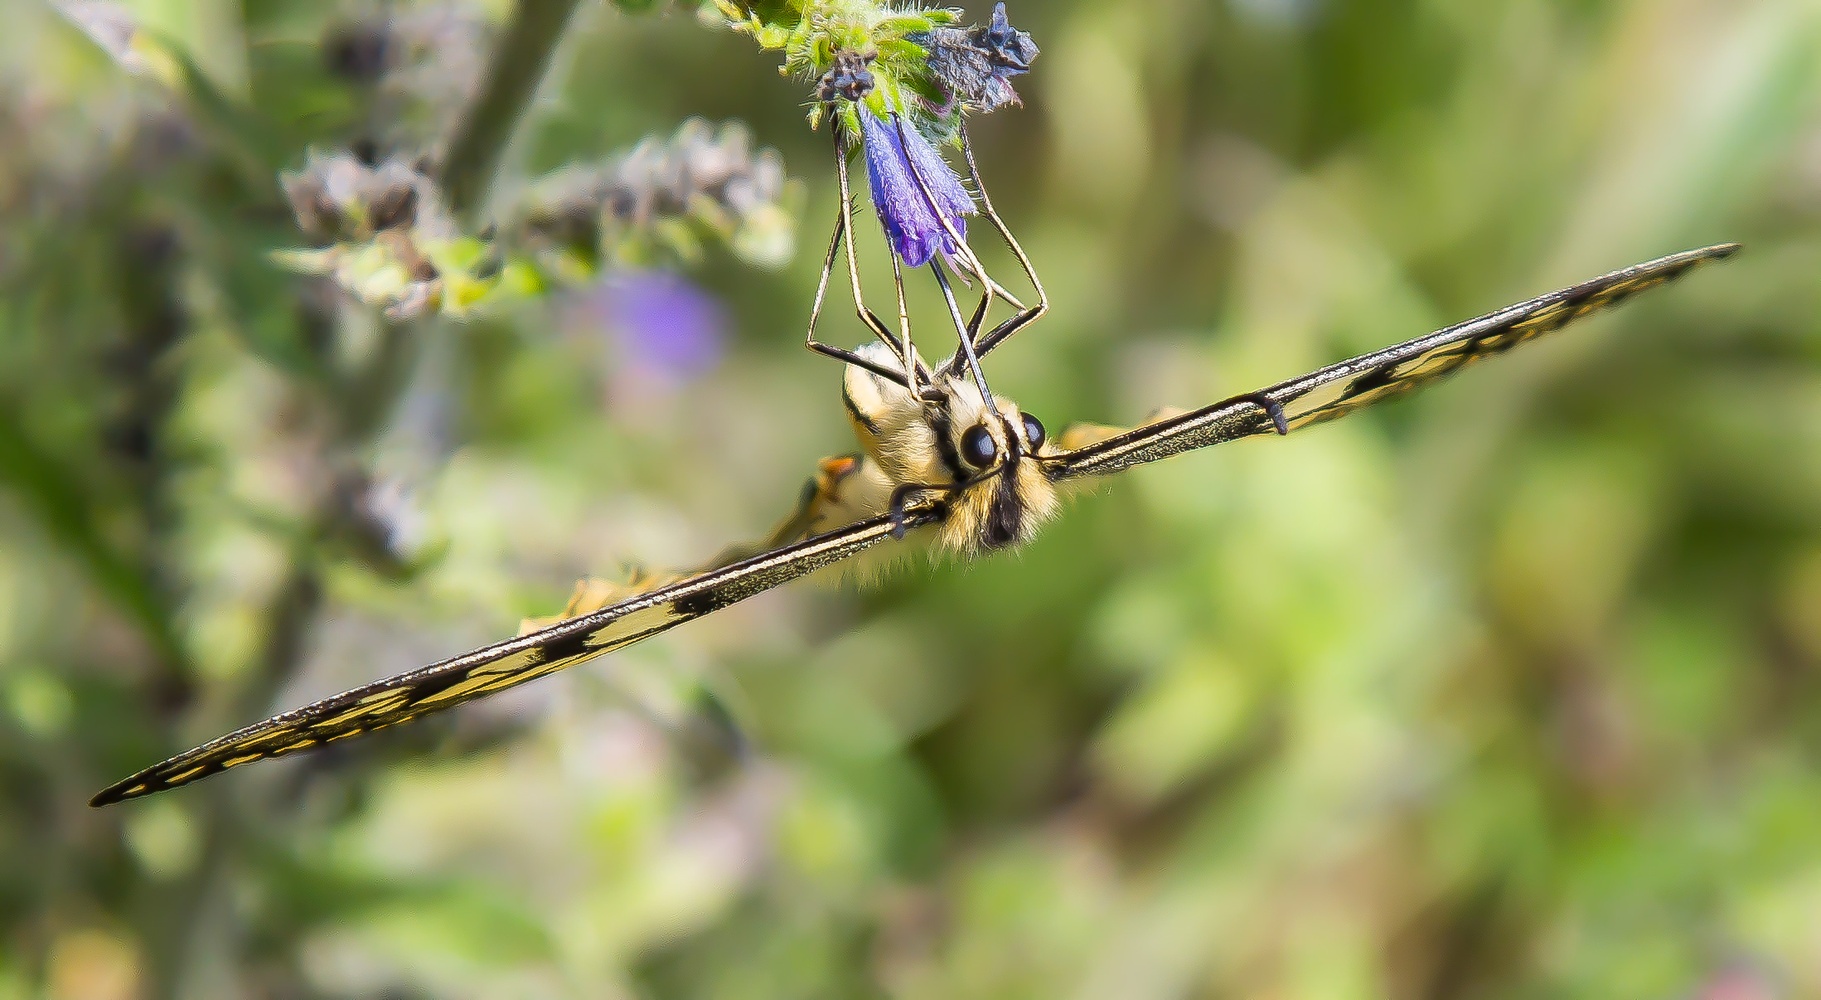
{"x": 663, "y": 323}
{"x": 1740, "y": 979}
{"x": 912, "y": 226}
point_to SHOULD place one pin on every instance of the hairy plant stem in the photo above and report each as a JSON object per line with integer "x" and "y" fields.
{"x": 518, "y": 66}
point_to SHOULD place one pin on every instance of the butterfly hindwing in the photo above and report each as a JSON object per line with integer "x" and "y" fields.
{"x": 510, "y": 663}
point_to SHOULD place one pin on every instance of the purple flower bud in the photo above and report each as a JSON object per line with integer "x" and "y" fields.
{"x": 910, "y": 218}
{"x": 848, "y": 78}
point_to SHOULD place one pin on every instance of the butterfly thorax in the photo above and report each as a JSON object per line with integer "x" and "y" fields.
{"x": 983, "y": 457}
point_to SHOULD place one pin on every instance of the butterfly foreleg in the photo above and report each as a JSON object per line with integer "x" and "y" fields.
{"x": 899, "y": 343}
{"x": 1025, "y": 316}
{"x": 842, "y": 354}
{"x": 965, "y": 264}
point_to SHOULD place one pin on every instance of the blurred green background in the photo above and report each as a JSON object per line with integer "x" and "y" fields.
{"x": 1512, "y": 690}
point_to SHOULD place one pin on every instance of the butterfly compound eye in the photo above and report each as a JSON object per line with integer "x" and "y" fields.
{"x": 978, "y": 448}
{"x": 1033, "y": 432}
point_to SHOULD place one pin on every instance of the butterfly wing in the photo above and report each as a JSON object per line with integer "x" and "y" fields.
{"x": 510, "y": 663}
{"x": 1341, "y": 389}
{"x": 1324, "y": 395}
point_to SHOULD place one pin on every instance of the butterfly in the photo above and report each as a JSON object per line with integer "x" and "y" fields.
{"x": 940, "y": 461}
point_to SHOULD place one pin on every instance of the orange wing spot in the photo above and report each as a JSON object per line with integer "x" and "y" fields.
{"x": 183, "y": 776}
{"x": 829, "y": 473}
{"x": 242, "y": 759}
{"x": 291, "y": 747}
{"x": 343, "y": 736}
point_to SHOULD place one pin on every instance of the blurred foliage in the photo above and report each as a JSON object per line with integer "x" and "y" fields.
{"x": 1510, "y": 690}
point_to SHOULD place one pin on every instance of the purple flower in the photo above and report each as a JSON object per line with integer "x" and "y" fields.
{"x": 911, "y": 224}
{"x": 663, "y": 323}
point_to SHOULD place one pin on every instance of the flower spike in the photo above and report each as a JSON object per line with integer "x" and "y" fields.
{"x": 897, "y": 78}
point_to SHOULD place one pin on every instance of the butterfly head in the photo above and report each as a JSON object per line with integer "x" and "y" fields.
{"x": 1000, "y": 494}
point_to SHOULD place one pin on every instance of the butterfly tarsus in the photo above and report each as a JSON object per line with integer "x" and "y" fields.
{"x": 1273, "y": 409}
{"x": 900, "y": 507}
{"x": 966, "y": 265}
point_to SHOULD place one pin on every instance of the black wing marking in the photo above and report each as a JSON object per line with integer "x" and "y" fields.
{"x": 1340, "y": 389}
{"x": 507, "y": 664}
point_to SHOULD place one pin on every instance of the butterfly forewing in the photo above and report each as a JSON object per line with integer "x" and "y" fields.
{"x": 507, "y": 664}
{"x": 1352, "y": 385}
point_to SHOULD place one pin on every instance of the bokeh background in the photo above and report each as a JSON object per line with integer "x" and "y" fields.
{"x": 1510, "y": 690}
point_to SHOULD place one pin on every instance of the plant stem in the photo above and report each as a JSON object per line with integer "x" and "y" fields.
{"x": 518, "y": 66}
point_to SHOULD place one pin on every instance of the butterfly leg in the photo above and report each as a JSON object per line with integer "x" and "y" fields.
{"x": 899, "y": 344}
{"x": 831, "y": 496}
{"x": 842, "y": 354}
{"x": 1272, "y": 408}
{"x": 967, "y": 343}
{"x": 901, "y": 501}
{"x": 844, "y": 489}
{"x": 1025, "y": 316}
{"x": 904, "y": 331}
{"x": 966, "y": 264}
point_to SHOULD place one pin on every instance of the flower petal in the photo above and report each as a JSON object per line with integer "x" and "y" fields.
{"x": 911, "y": 224}
{"x": 951, "y": 198}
